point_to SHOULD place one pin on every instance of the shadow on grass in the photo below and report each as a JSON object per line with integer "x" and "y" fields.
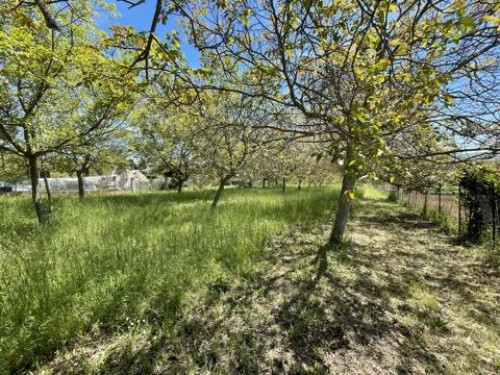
{"x": 369, "y": 308}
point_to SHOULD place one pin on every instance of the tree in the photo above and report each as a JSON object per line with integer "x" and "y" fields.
{"x": 166, "y": 139}
{"x": 227, "y": 135}
{"x": 57, "y": 88}
{"x": 358, "y": 73}
{"x": 106, "y": 151}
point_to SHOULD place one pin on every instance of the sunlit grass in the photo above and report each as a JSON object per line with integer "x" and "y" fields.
{"x": 371, "y": 192}
{"x": 109, "y": 259}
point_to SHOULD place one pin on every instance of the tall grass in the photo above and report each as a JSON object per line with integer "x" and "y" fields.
{"x": 108, "y": 259}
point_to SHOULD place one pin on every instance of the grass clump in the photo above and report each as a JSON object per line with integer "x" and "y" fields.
{"x": 371, "y": 192}
{"x": 444, "y": 221}
{"x": 110, "y": 260}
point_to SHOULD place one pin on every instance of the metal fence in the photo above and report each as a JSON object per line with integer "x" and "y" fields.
{"x": 444, "y": 204}
{"x": 452, "y": 207}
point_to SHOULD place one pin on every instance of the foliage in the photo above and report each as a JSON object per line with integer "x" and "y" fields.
{"x": 481, "y": 198}
{"x": 165, "y": 141}
{"x": 12, "y": 168}
{"x": 58, "y": 89}
{"x": 364, "y": 77}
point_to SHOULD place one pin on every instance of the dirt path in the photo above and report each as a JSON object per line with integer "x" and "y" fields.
{"x": 400, "y": 299}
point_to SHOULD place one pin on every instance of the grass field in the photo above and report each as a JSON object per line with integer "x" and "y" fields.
{"x": 108, "y": 263}
{"x": 161, "y": 284}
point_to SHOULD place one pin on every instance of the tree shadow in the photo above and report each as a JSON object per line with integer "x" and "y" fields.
{"x": 309, "y": 309}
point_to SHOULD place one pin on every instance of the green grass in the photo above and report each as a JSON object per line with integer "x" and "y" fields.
{"x": 110, "y": 260}
{"x": 371, "y": 192}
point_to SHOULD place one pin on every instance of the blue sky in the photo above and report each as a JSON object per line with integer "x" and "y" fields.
{"x": 140, "y": 18}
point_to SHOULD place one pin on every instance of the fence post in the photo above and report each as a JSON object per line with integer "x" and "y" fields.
{"x": 493, "y": 214}
{"x": 439, "y": 197}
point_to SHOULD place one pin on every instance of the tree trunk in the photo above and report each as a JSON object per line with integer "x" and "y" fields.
{"x": 425, "y": 205}
{"x": 343, "y": 209}
{"x": 275, "y": 182}
{"x": 179, "y": 186}
{"x": 300, "y": 183}
{"x": 37, "y": 203}
{"x": 49, "y": 195}
{"x": 394, "y": 194}
{"x": 284, "y": 185}
{"x": 250, "y": 184}
{"x": 264, "y": 183}
{"x": 81, "y": 187}
{"x": 219, "y": 192}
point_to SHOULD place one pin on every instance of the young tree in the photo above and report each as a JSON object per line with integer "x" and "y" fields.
{"x": 166, "y": 139}
{"x": 57, "y": 89}
{"x": 107, "y": 151}
{"x": 227, "y": 136}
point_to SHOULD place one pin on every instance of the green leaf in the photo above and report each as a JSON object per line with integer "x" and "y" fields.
{"x": 383, "y": 64}
{"x": 449, "y": 99}
{"x": 349, "y": 195}
{"x": 468, "y": 23}
{"x": 245, "y": 17}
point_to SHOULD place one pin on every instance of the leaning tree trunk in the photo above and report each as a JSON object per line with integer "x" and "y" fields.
{"x": 81, "y": 186}
{"x": 343, "y": 209}
{"x": 49, "y": 195}
{"x": 218, "y": 194}
{"x": 35, "y": 194}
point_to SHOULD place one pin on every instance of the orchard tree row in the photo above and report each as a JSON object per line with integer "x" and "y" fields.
{"x": 385, "y": 89}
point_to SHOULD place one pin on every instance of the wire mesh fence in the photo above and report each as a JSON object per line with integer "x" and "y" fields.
{"x": 461, "y": 210}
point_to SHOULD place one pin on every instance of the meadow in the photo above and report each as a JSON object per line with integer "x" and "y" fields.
{"x": 106, "y": 262}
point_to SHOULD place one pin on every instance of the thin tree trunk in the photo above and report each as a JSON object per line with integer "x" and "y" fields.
{"x": 33, "y": 172}
{"x": 179, "y": 186}
{"x": 425, "y": 205}
{"x": 218, "y": 194}
{"x": 343, "y": 210}
{"x": 284, "y": 185}
{"x": 459, "y": 209}
{"x": 49, "y": 195}
{"x": 300, "y": 185}
{"x": 81, "y": 186}
{"x": 439, "y": 197}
